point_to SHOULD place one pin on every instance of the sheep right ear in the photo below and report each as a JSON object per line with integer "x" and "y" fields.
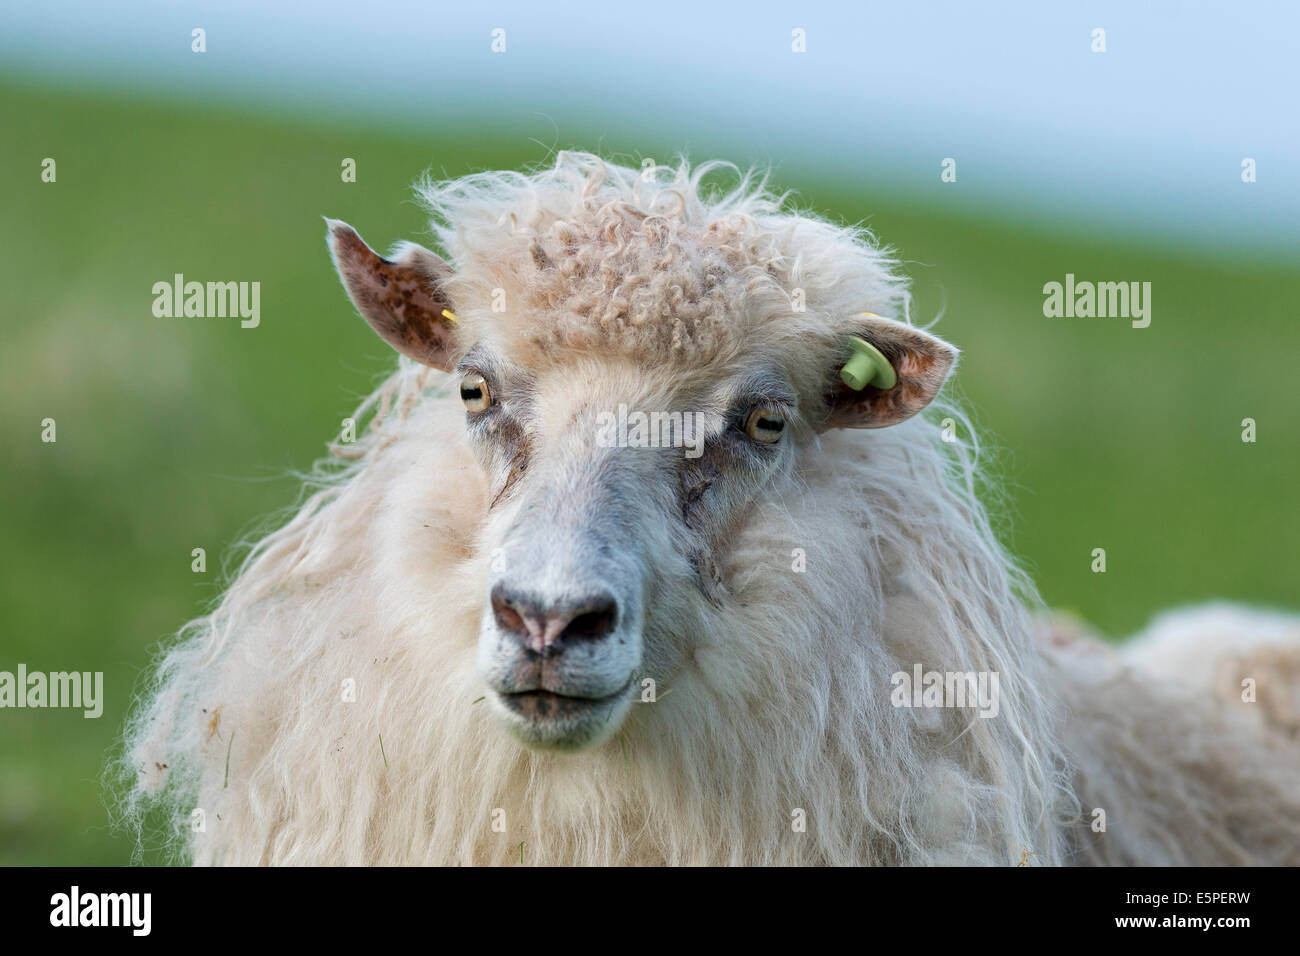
{"x": 403, "y": 300}
{"x": 904, "y": 369}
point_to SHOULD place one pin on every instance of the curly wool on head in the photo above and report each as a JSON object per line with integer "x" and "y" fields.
{"x": 654, "y": 262}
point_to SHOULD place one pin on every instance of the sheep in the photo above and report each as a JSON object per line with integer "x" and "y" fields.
{"x": 489, "y": 637}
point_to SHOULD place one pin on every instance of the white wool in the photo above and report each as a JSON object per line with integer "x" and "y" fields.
{"x": 1247, "y": 658}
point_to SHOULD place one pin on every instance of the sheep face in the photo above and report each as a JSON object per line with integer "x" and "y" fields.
{"x": 616, "y": 485}
{"x": 612, "y": 498}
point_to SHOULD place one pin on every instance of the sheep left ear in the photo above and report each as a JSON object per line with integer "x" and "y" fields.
{"x": 402, "y": 300}
{"x": 919, "y": 364}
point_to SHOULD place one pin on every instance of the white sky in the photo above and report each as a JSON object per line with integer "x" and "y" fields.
{"x": 1147, "y": 138}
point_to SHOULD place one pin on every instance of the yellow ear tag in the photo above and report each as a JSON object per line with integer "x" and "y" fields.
{"x": 866, "y": 366}
{"x": 451, "y": 315}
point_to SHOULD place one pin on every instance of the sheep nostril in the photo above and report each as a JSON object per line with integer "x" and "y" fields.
{"x": 547, "y": 628}
{"x": 507, "y": 618}
{"x": 593, "y": 624}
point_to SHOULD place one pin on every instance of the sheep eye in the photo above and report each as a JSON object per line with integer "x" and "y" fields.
{"x": 474, "y": 392}
{"x": 765, "y": 425}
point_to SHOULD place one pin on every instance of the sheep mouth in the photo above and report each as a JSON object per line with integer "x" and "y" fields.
{"x": 543, "y": 704}
{"x": 547, "y": 720}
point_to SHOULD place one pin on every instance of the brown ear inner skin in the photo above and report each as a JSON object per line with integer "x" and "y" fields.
{"x": 921, "y": 371}
{"x": 401, "y": 303}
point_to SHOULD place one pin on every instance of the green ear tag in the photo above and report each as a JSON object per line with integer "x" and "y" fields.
{"x": 867, "y": 367}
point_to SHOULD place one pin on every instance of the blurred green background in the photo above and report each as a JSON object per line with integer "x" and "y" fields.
{"x": 177, "y": 434}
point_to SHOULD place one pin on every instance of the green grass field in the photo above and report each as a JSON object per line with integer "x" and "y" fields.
{"x": 178, "y": 434}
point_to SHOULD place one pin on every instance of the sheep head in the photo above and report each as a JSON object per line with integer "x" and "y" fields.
{"x": 645, "y": 388}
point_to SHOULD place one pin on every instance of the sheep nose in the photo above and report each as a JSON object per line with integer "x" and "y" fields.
{"x": 546, "y": 628}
